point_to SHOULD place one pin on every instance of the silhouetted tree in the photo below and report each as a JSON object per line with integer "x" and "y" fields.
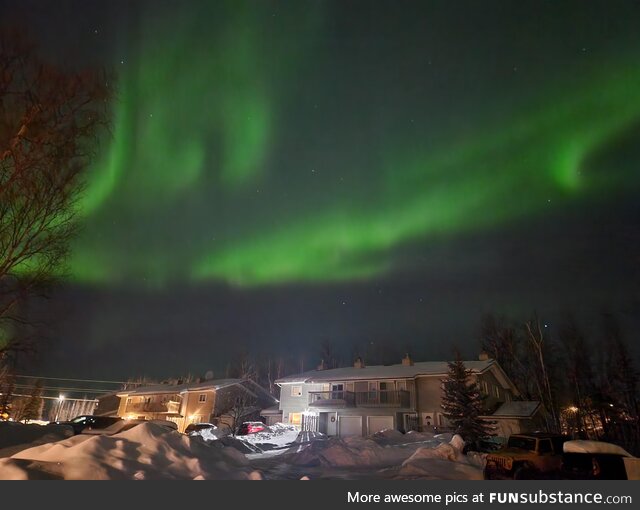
{"x": 50, "y": 118}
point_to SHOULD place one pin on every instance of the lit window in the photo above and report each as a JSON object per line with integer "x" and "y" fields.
{"x": 296, "y": 391}
{"x": 497, "y": 391}
{"x": 295, "y": 418}
{"x": 202, "y": 397}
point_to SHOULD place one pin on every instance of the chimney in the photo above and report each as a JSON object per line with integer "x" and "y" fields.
{"x": 358, "y": 363}
{"x": 407, "y": 361}
{"x": 322, "y": 366}
{"x": 483, "y": 356}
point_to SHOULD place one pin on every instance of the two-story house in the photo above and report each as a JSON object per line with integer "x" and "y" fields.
{"x": 362, "y": 400}
{"x": 214, "y": 401}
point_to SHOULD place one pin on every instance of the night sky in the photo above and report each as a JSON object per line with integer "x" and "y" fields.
{"x": 378, "y": 174}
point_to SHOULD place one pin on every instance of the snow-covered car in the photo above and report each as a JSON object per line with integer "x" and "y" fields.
{"x": 596, "y": 460}
{"x": 197, "y": 427}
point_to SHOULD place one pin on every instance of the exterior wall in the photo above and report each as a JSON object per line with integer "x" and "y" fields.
{"x": 293, "y": 404}
{"x": 195, "y": 411}
{"x": 429, "y": 402}
{"x": 496, "y": 394}
{"x": 122, "y": 406}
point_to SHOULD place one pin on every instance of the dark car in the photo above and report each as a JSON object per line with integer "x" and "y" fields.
{"x": 89, "y": 422}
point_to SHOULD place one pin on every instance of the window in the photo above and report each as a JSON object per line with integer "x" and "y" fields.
{"x": 496, "y": 390}
{"x": 295, "y": 418}
{"x": 485, "y": 387}
{"x": 147, "y": 400}
{"x": 296, "y": 391}
{"x": 129, "y": 400}
{"x": 202, "y": 397}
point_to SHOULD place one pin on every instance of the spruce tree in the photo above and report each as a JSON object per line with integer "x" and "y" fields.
{"x": 462, "y": 403}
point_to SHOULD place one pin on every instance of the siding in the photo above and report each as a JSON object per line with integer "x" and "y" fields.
{"x": 291, "y": 404}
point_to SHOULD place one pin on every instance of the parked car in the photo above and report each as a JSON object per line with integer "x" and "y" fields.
{"x": 596, "y": 460}
{"x": 251, "y": 427}
{"x": 526, "y": 456}
{"x": 89, "y": 422}
{"x": 197, "y": 427}
{"x": 108, "y": 425}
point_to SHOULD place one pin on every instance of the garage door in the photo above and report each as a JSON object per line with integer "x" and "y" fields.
{"x": 378, "y": 423}
{"x": 350, "y": 426}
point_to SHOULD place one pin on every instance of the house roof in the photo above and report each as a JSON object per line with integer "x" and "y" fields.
{"x": 180, "y": 388}
{"x": 399, "y": 371}
{"x": 517, "y": 409}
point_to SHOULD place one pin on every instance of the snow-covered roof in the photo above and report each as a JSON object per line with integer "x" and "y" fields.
{"x": 398, "y": 371}
{"x": 180, "y": 388}
{"x": 517, "y": 409}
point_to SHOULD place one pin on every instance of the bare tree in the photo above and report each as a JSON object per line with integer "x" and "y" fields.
{"x": 238, "y": 405}
{"x": 328, "y": 354}
{"x": 50, "y": 119}
{"x": 538, "y": 347}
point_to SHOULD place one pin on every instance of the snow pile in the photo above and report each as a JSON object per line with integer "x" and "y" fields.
{"x": 344, "y": 452}
{"x": 444, "y": 462}
{"x": 146, "y": 451}
{"x": 390, "y": 437}
{"x": 18, "y": 436}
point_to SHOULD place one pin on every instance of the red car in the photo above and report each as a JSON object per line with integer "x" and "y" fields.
{"x": 251, "y": 427}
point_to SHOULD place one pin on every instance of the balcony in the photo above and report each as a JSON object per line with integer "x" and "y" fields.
{"x": 394, "y": 398}
{"x": 170, "y": 407}
{"x": 332, "y": 398}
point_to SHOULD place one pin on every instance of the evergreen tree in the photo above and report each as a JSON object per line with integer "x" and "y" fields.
{"x": 462, "y": 403}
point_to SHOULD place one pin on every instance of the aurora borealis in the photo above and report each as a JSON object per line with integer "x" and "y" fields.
{"x": 315, "y": 150}
{"x": 204, "y": 136}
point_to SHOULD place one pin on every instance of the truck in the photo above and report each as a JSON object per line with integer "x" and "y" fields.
{"x": 526, "y": 456}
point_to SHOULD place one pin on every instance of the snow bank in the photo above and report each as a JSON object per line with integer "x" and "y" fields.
{"x": 146, "y": 451}
{"x": 444, "y": 462}
{"x": 345, "y": 452}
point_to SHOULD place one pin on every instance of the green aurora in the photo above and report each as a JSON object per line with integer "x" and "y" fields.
{"x": 204, "y": 178}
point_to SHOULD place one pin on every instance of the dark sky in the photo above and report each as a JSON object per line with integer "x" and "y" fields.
{"x": 379, "y": 174}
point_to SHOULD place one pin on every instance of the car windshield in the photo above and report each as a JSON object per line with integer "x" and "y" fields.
{"x": 80, "y": 419}
{"x": 524, "y": 443}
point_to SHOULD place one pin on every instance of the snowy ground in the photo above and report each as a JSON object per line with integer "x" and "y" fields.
{"x": 148, "y": 451}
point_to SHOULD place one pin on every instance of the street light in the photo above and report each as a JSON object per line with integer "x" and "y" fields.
{"x": 60, "y": 401}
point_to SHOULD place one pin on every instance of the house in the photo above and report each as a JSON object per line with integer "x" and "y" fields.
{"x": 222, "y": 402}
{"x": 107, "y": 405}
{"x": 362, "y": 400}
{"x": 518, "y": 417}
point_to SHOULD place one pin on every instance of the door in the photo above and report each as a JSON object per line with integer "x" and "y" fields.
{"x": 378, "y": 423}
{"x": 349, "y": 426}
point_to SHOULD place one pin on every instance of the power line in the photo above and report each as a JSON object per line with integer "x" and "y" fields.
{"x": 76, "y": 380}
{"x": 56, "y": 398}
{"x": 60, "y": 388}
